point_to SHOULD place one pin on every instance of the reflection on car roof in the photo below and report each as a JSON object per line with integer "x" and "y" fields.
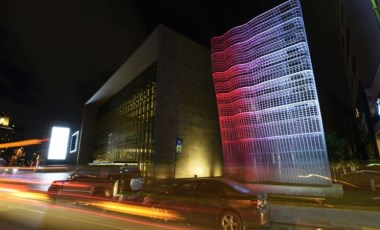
{"x": 230, "y": 182}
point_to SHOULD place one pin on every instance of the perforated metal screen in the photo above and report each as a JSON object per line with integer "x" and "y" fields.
{"x": 267, "y": 100}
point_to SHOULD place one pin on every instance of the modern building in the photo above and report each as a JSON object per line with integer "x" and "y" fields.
{"x": 158, "y": 110}
{"x": 360, "y": 40}
{"x": 6, "y": 129}
{"x": 7, "y": 134}
{"x": 269, "y": 112}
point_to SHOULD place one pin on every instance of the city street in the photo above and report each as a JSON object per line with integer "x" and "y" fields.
{"x": 23, "y": 196}
{"x": 25, "y": 213}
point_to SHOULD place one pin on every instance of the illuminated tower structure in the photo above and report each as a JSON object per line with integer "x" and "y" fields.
{"x": 268, "y": 106}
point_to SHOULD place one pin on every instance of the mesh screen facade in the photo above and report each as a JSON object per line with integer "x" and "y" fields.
{"x": 267, "y": 100}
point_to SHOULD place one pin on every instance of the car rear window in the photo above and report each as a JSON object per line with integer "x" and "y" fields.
{"x": 183, "y": 189}
{"x": 237, "y": 187}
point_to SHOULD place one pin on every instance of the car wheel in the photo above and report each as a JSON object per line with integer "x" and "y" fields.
{"x": 53, "y": 194}
{"x": 230, "y": 221}
{"x": 159, "y": 213}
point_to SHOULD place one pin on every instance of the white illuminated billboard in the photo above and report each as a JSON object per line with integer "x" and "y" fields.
{"x": 59, "y": 141}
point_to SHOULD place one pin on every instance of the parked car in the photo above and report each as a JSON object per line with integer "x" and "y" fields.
{"x": 114, "y": 181}
{"x": 218, "y": 201}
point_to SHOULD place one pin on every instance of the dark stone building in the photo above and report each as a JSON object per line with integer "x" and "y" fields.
{"x": 161, "y": 95}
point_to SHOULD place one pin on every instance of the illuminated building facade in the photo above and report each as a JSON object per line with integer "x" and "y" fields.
{"x": 7, "y": 134}
{"x": 163, "y": 93}
{"x": 269, "y": 114}
{"x": 6, "y": 130}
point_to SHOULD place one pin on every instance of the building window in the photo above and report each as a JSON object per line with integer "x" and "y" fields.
{"x": 125, "y": 123}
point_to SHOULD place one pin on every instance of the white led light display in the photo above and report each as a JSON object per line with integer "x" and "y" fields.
{"x": 267, "y": 100}
{"x": 59, "y": 141}
{"x": 74, "y": 142}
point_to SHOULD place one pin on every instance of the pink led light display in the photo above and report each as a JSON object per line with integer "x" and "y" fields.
{"x": 267, "y": 100}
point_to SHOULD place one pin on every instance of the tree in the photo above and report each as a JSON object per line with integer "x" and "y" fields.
{"x": 336, "y": 148}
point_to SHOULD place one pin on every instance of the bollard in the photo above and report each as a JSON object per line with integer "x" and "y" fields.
{"x": 373, "y": 185}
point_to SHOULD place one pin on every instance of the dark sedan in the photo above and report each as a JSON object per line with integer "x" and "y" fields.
{"x": 218, "y": 201}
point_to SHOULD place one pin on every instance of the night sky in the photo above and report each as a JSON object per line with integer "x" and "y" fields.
{"x": 54, "y": 55}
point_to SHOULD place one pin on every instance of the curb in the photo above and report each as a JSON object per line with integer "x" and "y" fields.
{"x": 326, "y": 216}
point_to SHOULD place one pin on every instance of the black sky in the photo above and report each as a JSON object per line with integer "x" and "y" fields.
{"x": 54, "y": 55}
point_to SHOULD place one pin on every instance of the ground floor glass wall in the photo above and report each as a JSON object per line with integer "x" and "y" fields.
{"x": 125, "y": 123}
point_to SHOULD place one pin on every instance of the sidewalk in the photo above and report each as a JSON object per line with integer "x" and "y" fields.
{"x": 356, "y": 210}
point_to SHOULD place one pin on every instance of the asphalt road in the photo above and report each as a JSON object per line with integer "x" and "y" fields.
{"x": 28, "y": 211}
{"x": 17, "y": 213}
{"x": 28, "y": 214}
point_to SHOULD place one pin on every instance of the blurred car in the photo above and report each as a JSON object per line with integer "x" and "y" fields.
{"x": 217, "y": 201}
{"x": 112, "y": 181}
{"x": 3, "y": 163}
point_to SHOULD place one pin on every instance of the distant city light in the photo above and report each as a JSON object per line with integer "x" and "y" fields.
{"x": 58, "y": 143}
{"x": 4, "y": 120}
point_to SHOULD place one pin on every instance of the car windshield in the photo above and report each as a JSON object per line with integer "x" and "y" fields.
{"x": 95, "y": 172}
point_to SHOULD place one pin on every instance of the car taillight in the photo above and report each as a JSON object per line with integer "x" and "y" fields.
{"x": 253, "y": 202}
{"x": 261, "y": 203}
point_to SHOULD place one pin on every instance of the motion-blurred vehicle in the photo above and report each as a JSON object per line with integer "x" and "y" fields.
{"x": 3, "y": 163}
{"x": 217, "y": 201}
{"x": 112, "y": 181}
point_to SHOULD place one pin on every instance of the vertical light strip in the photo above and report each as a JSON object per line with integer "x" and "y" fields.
{"x": 267, "y": 100}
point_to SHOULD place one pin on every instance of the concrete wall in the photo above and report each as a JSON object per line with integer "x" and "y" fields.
{"x": 186, "y": 108}
{"x": 87, "y": 135}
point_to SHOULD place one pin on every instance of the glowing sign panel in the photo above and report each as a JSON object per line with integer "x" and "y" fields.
{"x": 74, "y": 142}
{"x": 58, "y": 143}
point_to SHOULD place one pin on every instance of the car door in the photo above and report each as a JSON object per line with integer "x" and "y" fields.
{"x": 180, "y": 199}
{"x": 207, "y": 202}
{"x": 80, "y": 184}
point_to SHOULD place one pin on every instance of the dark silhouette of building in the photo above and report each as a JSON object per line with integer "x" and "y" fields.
{"x": 344, "y": 49}
{"x": 360, "y": 41}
